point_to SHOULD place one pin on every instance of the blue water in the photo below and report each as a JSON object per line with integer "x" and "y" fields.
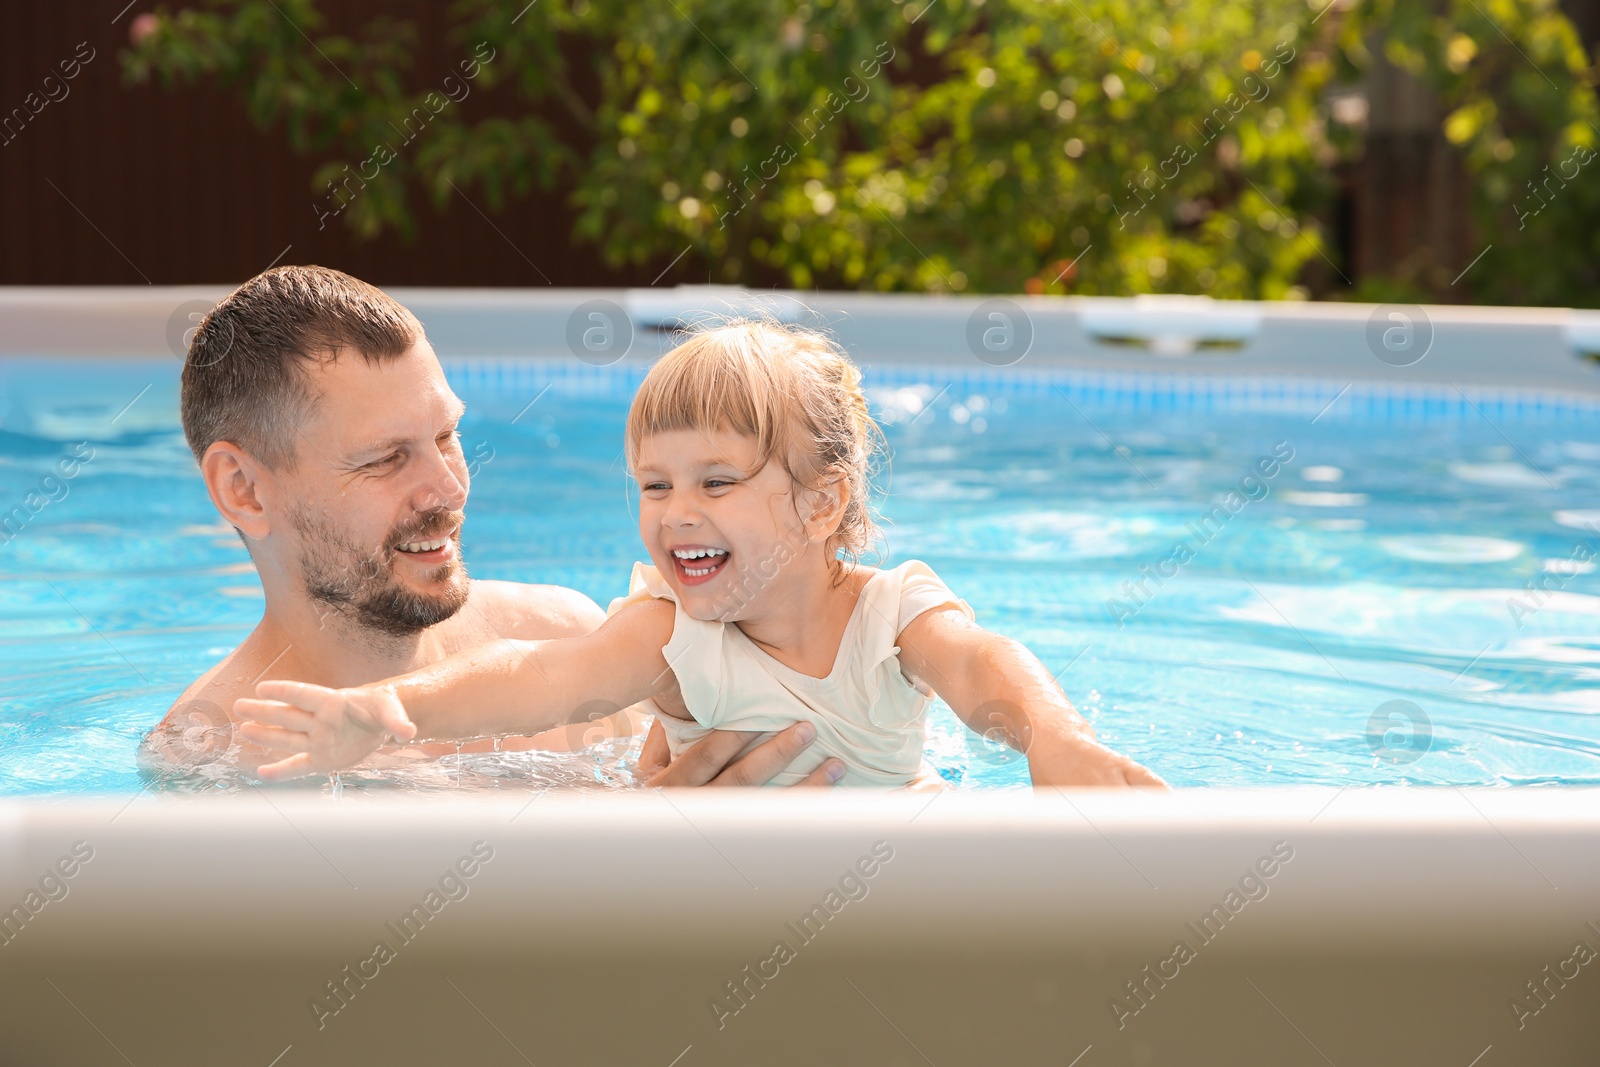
{"x": 1386, "y": 561}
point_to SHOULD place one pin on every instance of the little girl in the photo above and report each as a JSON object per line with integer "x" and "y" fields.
{"x": 752, "y": 448}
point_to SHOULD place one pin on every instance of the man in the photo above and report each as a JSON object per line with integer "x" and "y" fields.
{"x": 326, "y": 434}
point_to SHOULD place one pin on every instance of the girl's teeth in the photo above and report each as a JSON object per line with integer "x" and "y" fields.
{"x": 713, "y": 556}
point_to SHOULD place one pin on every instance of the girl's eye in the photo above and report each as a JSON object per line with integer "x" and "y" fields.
{"x": 718, "y": 483}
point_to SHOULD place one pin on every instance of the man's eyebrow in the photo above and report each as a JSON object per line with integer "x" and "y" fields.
{"x": 457, "y": 410}
{"x": 377, "y": 447}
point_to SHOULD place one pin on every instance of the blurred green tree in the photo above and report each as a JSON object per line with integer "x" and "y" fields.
{"x": 1519, "y": 98}
{"x": 1091, "y": 146}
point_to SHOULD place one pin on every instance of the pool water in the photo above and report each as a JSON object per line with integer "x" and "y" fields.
{"x": 1395, "y": 593}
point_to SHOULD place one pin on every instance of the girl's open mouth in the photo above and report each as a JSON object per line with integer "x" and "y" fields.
{"x": 696, "y": 563}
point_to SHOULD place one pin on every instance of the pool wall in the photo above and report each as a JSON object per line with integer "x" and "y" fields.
{"x": 1396, "y": 926}
{"x": 1364, "y": 927}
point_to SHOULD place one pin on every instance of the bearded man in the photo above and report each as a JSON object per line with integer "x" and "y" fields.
{"x": 327, "y": 437}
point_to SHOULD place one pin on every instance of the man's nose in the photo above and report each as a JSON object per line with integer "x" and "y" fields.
{"x": 443, "y": 487}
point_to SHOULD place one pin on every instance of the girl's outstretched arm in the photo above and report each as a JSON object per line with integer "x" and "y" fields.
{"x": 1000, "y": 689}
{"x": 498, "y": 688}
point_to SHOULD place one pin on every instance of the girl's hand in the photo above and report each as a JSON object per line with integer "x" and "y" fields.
{"x": 324, "y": 729}
{"x": 989, "y": 680}
{"x": 1081, "y": 760}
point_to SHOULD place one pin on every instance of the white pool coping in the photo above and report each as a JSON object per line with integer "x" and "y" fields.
{"x": 1521, "y": 348}
{"x": 1437, "y": 903}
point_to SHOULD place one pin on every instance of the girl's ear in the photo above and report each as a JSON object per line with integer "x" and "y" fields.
{"x": 827, "y": 504}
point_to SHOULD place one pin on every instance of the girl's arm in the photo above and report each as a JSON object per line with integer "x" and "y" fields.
{"x": 997, "y": 686}
{"x": 503, "y": 687}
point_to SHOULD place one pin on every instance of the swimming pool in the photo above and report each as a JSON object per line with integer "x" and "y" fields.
{"x": 1008, "y": 921}
{"x": 1398, "y": 592}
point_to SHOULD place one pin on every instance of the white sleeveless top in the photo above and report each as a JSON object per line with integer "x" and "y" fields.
{"x": 866, "y": 712}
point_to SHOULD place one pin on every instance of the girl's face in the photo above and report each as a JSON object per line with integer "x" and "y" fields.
{"x": 721, "y": 536}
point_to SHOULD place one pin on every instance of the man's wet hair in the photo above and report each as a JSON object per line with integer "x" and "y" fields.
{"x": 245, "y": 375}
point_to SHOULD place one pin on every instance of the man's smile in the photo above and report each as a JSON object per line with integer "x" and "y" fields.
{"x": 430, "y": 543}
{"x": 429, "y": 553}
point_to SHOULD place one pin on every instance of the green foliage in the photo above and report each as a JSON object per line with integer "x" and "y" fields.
{"x": 1520, "y": 103}
{"x": 1089, "y": 146}
{"x": 981, "y": 148}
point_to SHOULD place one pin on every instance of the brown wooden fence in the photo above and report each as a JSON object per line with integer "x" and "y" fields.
{"x": 120, "y": 184}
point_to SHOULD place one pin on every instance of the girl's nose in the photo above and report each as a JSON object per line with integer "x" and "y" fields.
{"x": 680, "y": 511}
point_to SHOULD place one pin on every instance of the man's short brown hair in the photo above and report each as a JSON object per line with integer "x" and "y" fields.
{"x": 244, "y": 379}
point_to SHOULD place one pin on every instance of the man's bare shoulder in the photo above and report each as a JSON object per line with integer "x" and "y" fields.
{"x": 198, "y": 728}
{"x": 215, "y": 691}
{"x": 535, "y": 612}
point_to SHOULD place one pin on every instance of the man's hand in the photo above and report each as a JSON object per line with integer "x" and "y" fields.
{"x": 325, "y": 729}
{"x": 706, "y": 761}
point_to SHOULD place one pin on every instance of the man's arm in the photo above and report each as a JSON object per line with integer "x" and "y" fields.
{"x": 996, "y": 686}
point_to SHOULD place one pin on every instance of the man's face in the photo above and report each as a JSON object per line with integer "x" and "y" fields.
{"x": 374, "y": 502}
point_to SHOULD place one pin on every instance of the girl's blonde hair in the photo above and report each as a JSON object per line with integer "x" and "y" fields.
{"x": 792, "y": 389}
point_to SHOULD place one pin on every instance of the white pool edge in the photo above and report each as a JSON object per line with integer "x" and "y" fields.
{"x": 1526, "y": 348}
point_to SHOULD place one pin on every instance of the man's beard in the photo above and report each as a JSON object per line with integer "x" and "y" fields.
{"x": 360, "y": 584}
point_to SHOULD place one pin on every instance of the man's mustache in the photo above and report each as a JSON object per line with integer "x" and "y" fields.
{"x": 426, "y": 527}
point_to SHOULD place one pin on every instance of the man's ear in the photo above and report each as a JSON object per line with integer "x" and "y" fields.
{"x": 234, "y": 478}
